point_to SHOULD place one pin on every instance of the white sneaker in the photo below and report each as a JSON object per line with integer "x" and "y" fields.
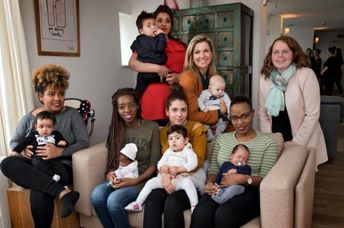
{"x": 56, "y": 177}
{"x": 134, "y": 206}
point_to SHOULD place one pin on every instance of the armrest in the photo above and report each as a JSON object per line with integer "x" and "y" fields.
{"x": 278, "y": 186}
{"x": 88, "y": 171}
{"x": 304, "y": 193}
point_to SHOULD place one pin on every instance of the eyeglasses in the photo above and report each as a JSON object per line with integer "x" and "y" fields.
{"x": 242, "y": 117}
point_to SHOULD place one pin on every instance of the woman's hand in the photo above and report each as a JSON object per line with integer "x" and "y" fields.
{"x": 172, "y": 77}
{"x": 175, "y": 170}
{"x": 13, "y": 153}
{"x": 27, "y": 152}
{"x": 124, "y": 182}
{"x": 229, "y": 179}
{"x": 166, "y": 182}
{"x": 49, "y": 151}
{"x": 162, "y": 71}
{"x": 111, "y": 176}
{"x": 164, "y": 169}
{"x": 211, "y": 188}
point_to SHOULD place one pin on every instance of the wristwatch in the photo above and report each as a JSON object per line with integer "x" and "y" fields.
{"x": 249, "y": 180}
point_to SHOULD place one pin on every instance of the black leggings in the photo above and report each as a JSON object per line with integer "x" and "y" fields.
{"x": 231, "y": 214}
{"x": 52, "y": 167}
{"x": 172, "y": 205}
{"x": 43, "y": 188}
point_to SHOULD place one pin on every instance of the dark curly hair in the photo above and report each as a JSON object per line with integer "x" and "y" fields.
{"x": 299, "y": 57}
{"x": 116, "y": 137}
{"x": 142, "y": 17}
{"x": 180, "y": 129}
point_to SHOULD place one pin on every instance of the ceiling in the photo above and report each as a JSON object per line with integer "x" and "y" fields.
{"x": 319, "y": 14}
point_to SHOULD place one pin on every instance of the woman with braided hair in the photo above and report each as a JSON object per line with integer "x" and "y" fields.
{"x": 127, "y": 126}
{"x": 50, "y": 83}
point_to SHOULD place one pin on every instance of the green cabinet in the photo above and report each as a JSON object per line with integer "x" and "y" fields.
{"x": 230, "y": 26}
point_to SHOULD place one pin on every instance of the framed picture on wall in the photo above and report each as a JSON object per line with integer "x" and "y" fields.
{"x": 57, "y": 27}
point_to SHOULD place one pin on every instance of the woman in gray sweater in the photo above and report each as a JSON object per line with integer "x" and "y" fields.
{"x": 50, "y": 83}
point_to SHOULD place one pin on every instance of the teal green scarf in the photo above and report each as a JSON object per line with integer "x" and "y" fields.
{"x": 275, "y": 100}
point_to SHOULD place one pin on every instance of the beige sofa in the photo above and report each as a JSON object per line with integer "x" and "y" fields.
{"x": 286, "y": 192}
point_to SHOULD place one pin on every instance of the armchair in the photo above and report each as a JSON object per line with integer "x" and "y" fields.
{"x": 286, "y": 193}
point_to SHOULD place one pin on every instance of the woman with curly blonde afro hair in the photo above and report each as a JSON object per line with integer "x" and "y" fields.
{"x": 50, "y": 83}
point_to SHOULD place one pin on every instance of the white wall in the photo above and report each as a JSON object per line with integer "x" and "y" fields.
{"x": 303, "y": 35}
{"x": 273, "y": 30}
{"x": 97, "y": 73}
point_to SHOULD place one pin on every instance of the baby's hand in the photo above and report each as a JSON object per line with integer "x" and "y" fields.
{"x": 205, "y": 110}
{"x": 232, "y": 171}
{"x": 13, "y": 153}
{"x": 158, "y": 31}
{"x": 211, "y": 188}
{"x": 62, "y": 143}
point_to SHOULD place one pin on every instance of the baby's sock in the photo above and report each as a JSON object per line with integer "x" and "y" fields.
{"x": 56, "y": 177}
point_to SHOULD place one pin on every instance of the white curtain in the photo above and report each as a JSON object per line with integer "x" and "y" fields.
{"x": 15, "y": 81}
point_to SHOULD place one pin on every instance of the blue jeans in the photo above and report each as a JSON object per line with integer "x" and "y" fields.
{"x": 109, "y": 204}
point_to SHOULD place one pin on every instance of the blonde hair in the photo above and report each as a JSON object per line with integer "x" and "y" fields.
{"x": 189, "y": 63}
{"x": 217, "y": 79}
{"x": 49, "y": 75}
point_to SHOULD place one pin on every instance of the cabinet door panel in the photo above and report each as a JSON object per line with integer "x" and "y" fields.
{"x": 228, "y": 76}
{"x": 189, "y": 23}
{"x": 224, "y": 39}
{"x": 225, "y": 19}
{"x": 205, "y": 22}
{"x": 224, "y": 58}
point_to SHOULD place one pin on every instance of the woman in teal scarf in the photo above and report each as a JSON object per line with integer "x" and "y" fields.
{"x": 289, "y": 97}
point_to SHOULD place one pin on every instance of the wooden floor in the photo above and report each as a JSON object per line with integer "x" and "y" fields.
{"x": 328, "y": 210}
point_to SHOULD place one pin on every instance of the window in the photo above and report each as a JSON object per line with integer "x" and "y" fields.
{"x": 128, "y": 33}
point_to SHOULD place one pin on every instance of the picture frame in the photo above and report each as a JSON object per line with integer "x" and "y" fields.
{"x": 57, "y": 27}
